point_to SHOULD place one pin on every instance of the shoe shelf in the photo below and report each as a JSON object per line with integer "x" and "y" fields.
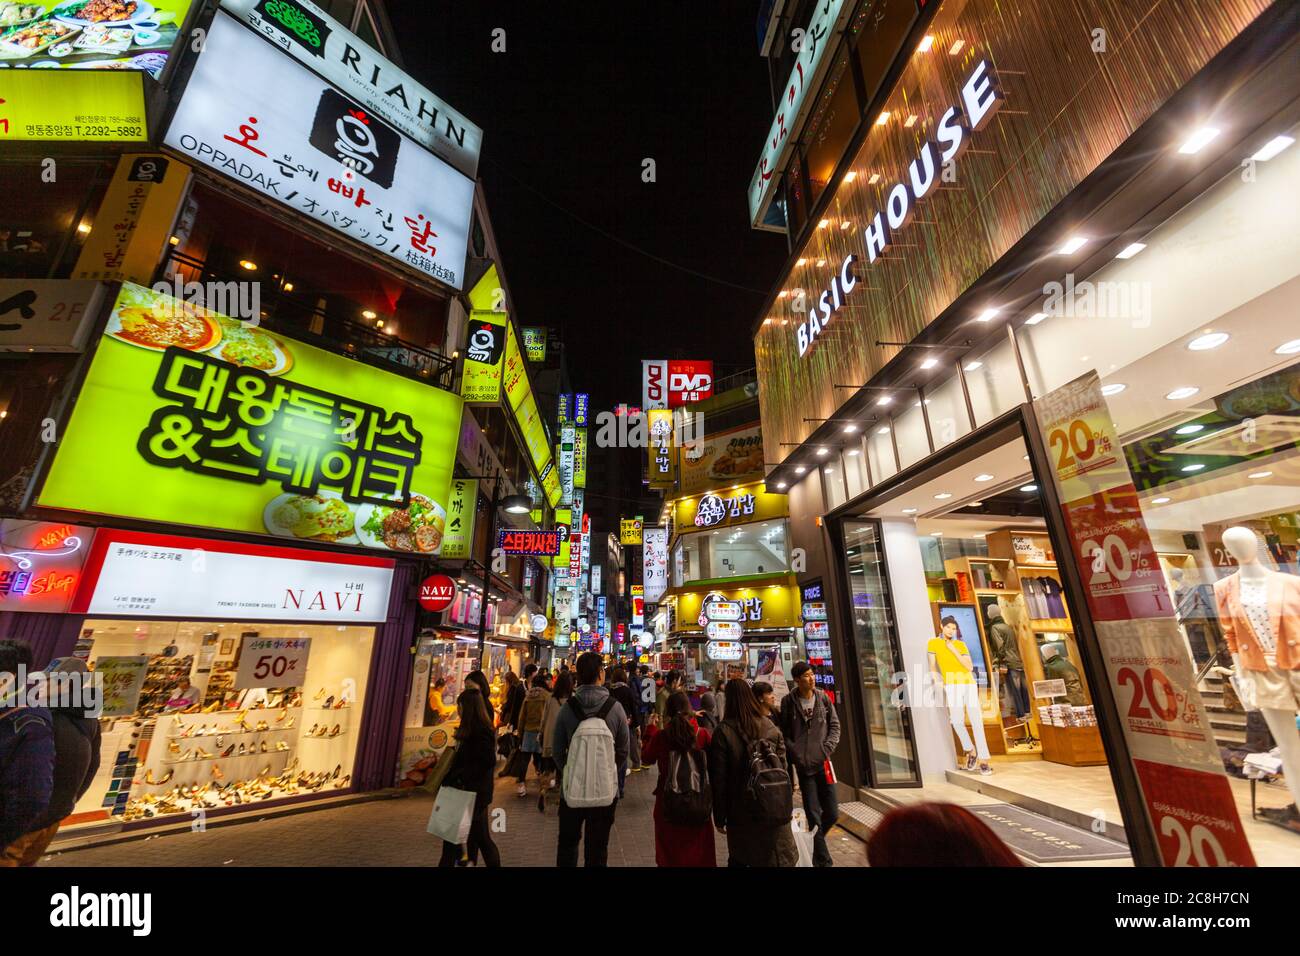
{"x": 341, "y": 733}
{"x": 230, "y": 733}
{"x": 269, "y": 753}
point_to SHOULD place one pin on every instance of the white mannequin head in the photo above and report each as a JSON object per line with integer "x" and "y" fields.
{"x": 994, "y": 612}
{"x": 1051, "y": 650}
{"x": 1243, "y": 545}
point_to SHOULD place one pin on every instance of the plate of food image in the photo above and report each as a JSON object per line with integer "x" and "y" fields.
{"x": 16, "y": 14}
{"x": 324, "y": 516}
{"x": 111, "y": 13}
{"x": 150, "y": 321}
{"x": 35, "y": 37}
{"x": 417, "y": 528}
{"x": 252, "y": 347}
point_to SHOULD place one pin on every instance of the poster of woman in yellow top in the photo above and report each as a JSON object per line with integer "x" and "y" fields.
{"x": 953, "y": 667}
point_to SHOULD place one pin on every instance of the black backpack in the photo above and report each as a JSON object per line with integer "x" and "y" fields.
{"x": 767, "y": 795}
{"x": 687, "y": 795}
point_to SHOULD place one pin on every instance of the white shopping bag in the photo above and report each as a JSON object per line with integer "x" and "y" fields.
{"x": 453, "y": 812}
{"x": 803, "y": 839}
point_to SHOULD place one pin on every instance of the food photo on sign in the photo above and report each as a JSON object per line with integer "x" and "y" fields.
{"x": 91, "y": 34}
{"x": 230, "y": 426}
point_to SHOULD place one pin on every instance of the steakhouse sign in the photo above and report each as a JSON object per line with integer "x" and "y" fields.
{"x": 981, "y": 97}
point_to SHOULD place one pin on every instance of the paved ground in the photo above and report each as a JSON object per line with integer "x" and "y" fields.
{"x": 391, "y": 832}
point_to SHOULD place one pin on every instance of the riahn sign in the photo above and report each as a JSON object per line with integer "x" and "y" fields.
{"x": 328, "y": 49}
{"x": 981, "y": 97}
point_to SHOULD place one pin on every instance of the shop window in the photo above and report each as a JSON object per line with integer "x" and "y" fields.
{"x": 833, "y": 484}
{"x": 184, "y": 714}
{"x": 993, "y": 380}
{"x": 909, "y": 434}
{"x": 797, "y": 202}
{"x": 880, "y": 451}
{"x": 831, "y": 126}
{"x": 892, "y": 751}
{"x": 855, "y": 469}
{"x": 736, "y": 551}
{"x": 882, "y": 36}
{"x": 945, "y": 406}
{"x": 41, "y": 236}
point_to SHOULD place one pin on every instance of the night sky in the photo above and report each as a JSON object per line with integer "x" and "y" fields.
{"x": 584, "y": 93}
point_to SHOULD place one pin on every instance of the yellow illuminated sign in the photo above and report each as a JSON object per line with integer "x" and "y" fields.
{"x": 82, "y": 105}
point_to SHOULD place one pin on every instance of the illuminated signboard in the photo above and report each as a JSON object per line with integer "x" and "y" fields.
{"x": 529, "y": 542}
{"x": 48, "y": 106}
{"x": 256, "y": 116}
{"x": 670, "y": 383}
{"x": 535, "y": 343}
{"x": 581, "y": 401}
{"x": 187, "y": 416}
{"x": 40, "y": 564}
{"x": 480, "y": 381}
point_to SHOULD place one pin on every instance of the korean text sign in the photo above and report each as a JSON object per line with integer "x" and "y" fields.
{"x": 255, "y": 115}
{"x": 248, "y": 431}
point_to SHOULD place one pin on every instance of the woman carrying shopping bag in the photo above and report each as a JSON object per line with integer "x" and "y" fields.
{"x": 472, "y": 772}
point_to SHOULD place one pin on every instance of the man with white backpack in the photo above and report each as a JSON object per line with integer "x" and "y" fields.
{"x": 590, "y": 748}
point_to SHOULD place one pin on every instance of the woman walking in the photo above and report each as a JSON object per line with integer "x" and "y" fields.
{"x": 471, "y": 769}
{"x": 531, "y": 716}
{"x": 559, "y": 697}
{"x": 752, "y": 793}
{"x": 681, "y": 740}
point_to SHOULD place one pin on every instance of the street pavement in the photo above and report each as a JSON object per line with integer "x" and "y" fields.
{"x": 390, "y": 831}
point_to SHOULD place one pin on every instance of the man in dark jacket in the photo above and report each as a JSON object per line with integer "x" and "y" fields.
{"x": 812, "y": 732}
{"x": 589, "y": 697}
{"x": 26, "y": 758}
{"x": 622, "y": 692}
{"x": 76, "y": 756}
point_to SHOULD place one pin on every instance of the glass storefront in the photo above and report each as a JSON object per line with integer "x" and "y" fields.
{"x": 182, "y": 731}
{"x": 737, "y": 551}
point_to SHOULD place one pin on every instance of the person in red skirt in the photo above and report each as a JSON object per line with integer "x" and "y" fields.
{"x": 677, "y": 845}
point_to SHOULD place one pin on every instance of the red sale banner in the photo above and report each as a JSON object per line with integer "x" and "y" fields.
{"x": 1188, "y": 798}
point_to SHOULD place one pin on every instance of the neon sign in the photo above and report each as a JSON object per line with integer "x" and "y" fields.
{"x": 40, "y": 564}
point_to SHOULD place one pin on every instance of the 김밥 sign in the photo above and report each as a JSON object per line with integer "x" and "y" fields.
{"x": 271, "y": 125}
{"x": 103, "y": 36}
{"x": 46, "y": 315}
{"x": 48, "y": 106}
{"x": 162, "y": 575}
{"x": 189, "y": 417}
{"x": 327, "y": 48}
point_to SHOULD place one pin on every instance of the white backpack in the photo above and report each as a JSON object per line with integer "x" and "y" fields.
{"x": 590, "y": 771}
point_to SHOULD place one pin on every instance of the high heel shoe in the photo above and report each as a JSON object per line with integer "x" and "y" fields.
{"x": 242, "y": 750}
{"x": 340, "y": 784}
{"x": 217, "y": 773}
{"x": 292, "y": 721}
{"x": 148, "y": 778}
{"x": 264, "y": 747}
{"x": 283, "y": 714}
{"x": 281, "y": 747}
{"x": 201, "y": 754}
{"x": 329, "y": 703}
{"x": 262, "y": 726}
{"x": 319, "y": 694}
{"x": 312, "y": 732}
{"x": 336, "y": 731}
{"x": 173, "y": 748}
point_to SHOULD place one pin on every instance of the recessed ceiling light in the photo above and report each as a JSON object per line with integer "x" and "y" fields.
{"x": 1114, "y": 388}
{"x": 1288, "y": 348}
{"x": 1129, "y": 251}
{"x": 882, "y": 430}
{"x": 1195, "y": 467}
{"x": 930, "y": 363}
{"x": 1036, "y": 318}
{"x": 780, "y": 486}
{"x": 943, "y": 496}
{"x": 883, "y": 118}
{"x": 850, "y": 428}
{"x": 248, "y": 264}
{"x": 975, "y": 504}
{"x": 821, "y": 263}
{"x": 1259, "y": 474}
{"x": 783, "y": 294}
{"x": 1025, "y": 457}
{"x": 987, "y": 315}
{"x": 956, "y": 47}
{"x": 1028, "y": 488}
{"x": 823, "y": 224}
{"x": 1178, "y": 394}
{"x": 978, "y": 534}
{"x": 927, "y": 41}
{"x": 823, "y": 452}
{"x": 936, "y": 534}
{"x": 875, "y": 178}
{"x": 1210, "y": 340}
{"x": 1272, "y": 148}
{"x": 830, "y": 471}
{"x": 884, "y": 400}
{"x": 1161, "y": 501}
{"x": 909, "y": 511}
{"x": 972, "y": 366}
{"x": 850, "y": 176}
{"x": 846, "y": 223}
{"x": 984, "y": 477}
{"x": 801, "y": 262}
{"x": 1072, "y": 245}
{"x": 800, "y": 470}
{"x": 1189, "y": 429}
{"x": 910, "y": 121}
{"x": 1198, "y": 140}
{"x": 851, "y": 452}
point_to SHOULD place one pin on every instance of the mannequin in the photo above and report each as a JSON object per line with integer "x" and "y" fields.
{"x": 952, "y": 668}
{"x": 1006, "y": 658}
{"x": 1259, "y": 611}
{"x": 1056, "y": 666}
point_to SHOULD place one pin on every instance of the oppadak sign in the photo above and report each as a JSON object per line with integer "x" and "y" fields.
{"x": 981, "y": 97}
{"x": 323, "y": 45}
{"x": 277, "y": 129}
{"x": 162, "y": 575}
{"x": 671, "y": 383}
